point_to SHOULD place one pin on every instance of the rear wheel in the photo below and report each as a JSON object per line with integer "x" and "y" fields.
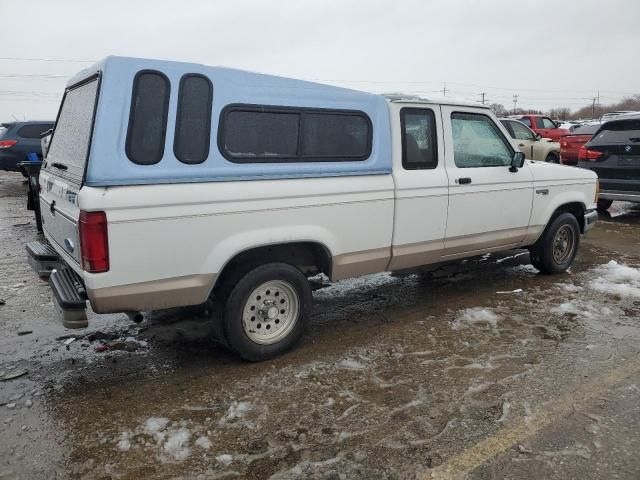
{"x": 266, "y": 311}
{"x": 603, "y": 205}
{"x": 552, "y": 158}
{"x": 555, "y": 250}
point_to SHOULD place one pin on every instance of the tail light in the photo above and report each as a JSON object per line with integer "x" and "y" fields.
{"x": 94, "y": 242}
{"x": 585, "y": 154}
{"x": 7, "y": 143}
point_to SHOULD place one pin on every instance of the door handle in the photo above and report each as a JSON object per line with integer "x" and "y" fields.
{"x": 521, "y": 145}
{"x": 463, "y": 180}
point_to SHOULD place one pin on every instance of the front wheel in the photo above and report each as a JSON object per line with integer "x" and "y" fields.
{"x": 555, "y": 250}
{"x": 266, "y": 311}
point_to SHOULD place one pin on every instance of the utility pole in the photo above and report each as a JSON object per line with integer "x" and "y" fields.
{"x": 444, "y": 90}
{"x": 483, "y": 95}
{"x": 515, "y": 104}
{"x": 593, "y": 109}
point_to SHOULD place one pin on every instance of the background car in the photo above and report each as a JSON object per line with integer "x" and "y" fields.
{"x": 18, "y": 139}
{"x": 532, "y": 145}
{"x": 542, "y": 125}
{"x": 613, "y": 152}
{"x": 570, "y": 144}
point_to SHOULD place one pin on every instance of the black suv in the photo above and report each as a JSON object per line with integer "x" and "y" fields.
{"x": 614, "y": 154}
{"x": 17, "y": 140}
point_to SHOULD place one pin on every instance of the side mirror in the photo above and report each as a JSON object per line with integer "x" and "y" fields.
{"x": 517, "y": 161}
{"x": 538, "y": 137}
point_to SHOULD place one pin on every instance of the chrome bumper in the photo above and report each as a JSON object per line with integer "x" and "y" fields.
{"x": 590, "y": 219}
{"x": 620, "y": 196}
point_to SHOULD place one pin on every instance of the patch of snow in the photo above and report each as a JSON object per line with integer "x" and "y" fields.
{"x": 154, "y": 425}
{"x": 517, "y": 290}
{"x": 203, "y": 442}
{"x": 124, "y": 444}
{"x": 617, "y": 279}
{"x": 474, "y": 316}
{"x": 526, "y": 269}
{"x": 225, "y": 459}
{"x": 177, "y": 444}
{"x": 506, "y": 408}
{"x": 569, "y": 287}
{"x": 350, "y": 364}
{"x": 236, "y": 410}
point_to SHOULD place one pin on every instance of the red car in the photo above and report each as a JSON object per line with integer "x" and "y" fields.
{"x": 543, "y": 126}
{"x": 570, "y": 144}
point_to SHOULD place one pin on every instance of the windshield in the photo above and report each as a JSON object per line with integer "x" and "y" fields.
{"x": 69, "y": 146}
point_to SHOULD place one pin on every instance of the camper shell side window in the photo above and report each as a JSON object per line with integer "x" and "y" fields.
{"x": 148, "y": 117}
{"x": 193, "y": 119}
{"x": 264, "y": 133}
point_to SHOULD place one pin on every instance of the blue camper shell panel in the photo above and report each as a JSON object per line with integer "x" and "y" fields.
{"x": 109, "y": 165}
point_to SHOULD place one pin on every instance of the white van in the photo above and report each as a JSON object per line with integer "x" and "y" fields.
{"x": 170, "y": 184}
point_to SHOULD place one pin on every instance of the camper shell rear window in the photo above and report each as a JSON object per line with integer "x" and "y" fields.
{"x": 264, "y": 133}
{"x": 71, "y": 139}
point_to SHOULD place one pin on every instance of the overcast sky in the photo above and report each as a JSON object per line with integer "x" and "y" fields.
{"x": 550, "y": 53}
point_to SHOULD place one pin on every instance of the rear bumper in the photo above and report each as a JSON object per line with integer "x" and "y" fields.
{"x": 9, "y": 161}
{"x": 69, "y": 294}
{"x": 590, "y": 219}
{"x": 620, "y": 196}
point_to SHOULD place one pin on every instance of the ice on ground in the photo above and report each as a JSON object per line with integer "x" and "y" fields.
{"x": 582, "y": 309}
{"x": 569, "y": 287}
{"x": 236, "y": 410}
{"x": 350, "y": 364}
{"x": 474, "y": 316}
{"x": 203, "y": 442}
{"x": 526, "y": 269}
{"x": 617, "y": 279}
{"x": 225, "y": 459}
{"x": 154, "y": 425}
{"x": 177, "y": 444}
{"x": 124, "y": 444}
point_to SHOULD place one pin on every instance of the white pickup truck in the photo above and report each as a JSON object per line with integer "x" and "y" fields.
{"x": 169, "y": 184}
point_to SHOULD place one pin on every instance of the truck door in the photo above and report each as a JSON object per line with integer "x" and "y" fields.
{"x": 489, "y": 205}
{"x": 421, "y": 184}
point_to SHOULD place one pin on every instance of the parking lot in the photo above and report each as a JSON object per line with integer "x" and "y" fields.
{"x": 486, "y": 369}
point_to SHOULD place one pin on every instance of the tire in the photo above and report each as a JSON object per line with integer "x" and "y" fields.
{"x": 552, "y": 158}
{"x": 266, "y": 311}
{"x": 555, "y": 250}
{"x": 603, "y": 205}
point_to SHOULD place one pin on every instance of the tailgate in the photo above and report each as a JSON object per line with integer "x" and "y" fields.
{"x": 63, "y": 170}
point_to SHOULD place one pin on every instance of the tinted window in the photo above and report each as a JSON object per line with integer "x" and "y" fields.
{"x": 419, "y": 145}
{"x": 627, "y": 131}
{"x": 334, "y": 135}
{"x": 585, "y": 130}
{"x": 526, "y": 121}
{"x": 270, "y": 134}
{"x": 477, "y": 142}
{"x": 256, "y": 134}
{"x": 148, "y": 118}
{"x": 72, "y": 135}
{"x": 521, "y": 132}
{"x": 35, "y": 130}
{"x": 193, "y": 122}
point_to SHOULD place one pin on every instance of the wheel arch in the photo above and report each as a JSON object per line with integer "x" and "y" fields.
{"x": 310, "y": 256}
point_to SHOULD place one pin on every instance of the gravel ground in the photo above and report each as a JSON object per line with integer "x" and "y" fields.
{"x": 483, "y": 370}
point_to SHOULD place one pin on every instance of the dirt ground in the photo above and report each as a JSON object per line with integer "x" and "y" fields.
{"x": 486, "y": 370}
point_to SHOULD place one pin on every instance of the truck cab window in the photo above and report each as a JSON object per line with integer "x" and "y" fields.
{"x": 419, "y": 145}
{"x": 477, "y": 142}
